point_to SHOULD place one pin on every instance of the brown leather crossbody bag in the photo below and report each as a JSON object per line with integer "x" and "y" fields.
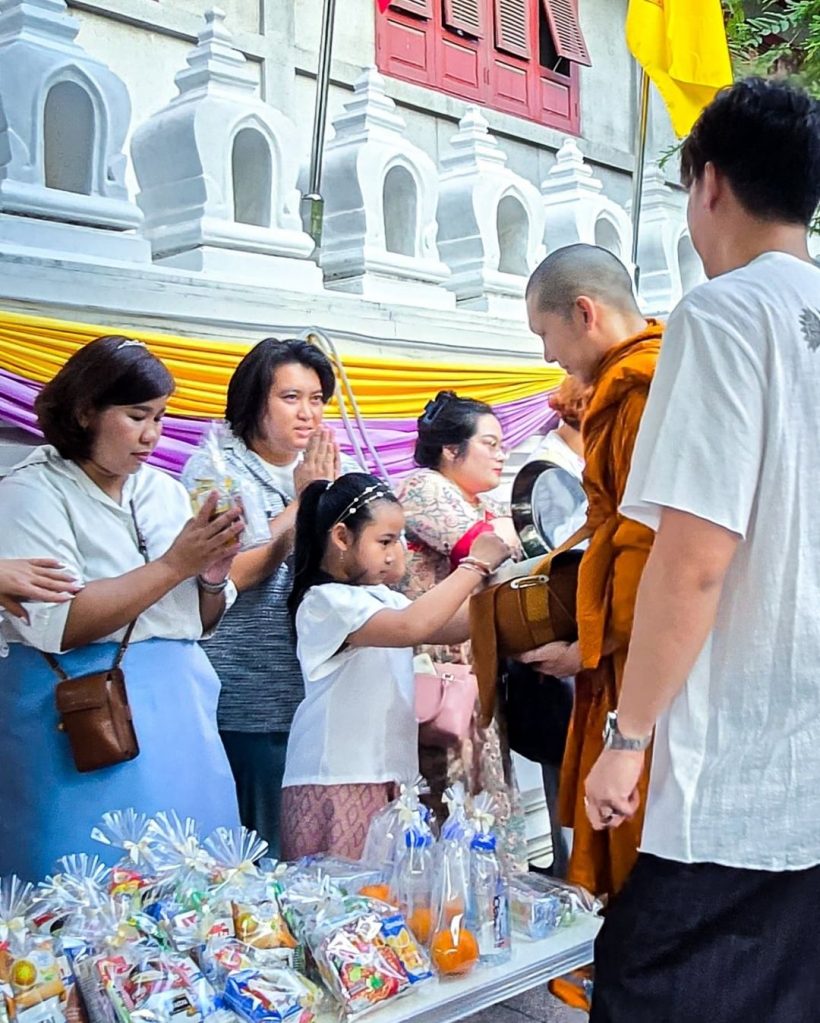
{"x": 94, "y": 711}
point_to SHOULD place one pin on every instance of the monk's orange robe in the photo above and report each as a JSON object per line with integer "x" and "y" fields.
{"x": 608, "y": 580}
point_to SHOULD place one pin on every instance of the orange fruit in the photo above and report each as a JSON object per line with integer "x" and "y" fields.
{"x": 376, "y": 891}
{"x": 420, "y": 922}
{"x": 452, "y": 958}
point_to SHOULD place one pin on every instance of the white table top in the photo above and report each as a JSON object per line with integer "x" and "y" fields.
{"x": 533, "y": 963}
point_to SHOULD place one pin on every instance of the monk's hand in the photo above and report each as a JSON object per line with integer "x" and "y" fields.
{"x": 558, "y": 659}
{"x": 612, "y": 788}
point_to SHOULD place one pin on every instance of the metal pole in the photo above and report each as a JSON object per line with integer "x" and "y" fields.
{"x": 637, "y": 177}
{"x": 313, "y": 201}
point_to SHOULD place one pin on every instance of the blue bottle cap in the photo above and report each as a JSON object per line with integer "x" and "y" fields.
{"x": 414, "y": 839}
{"x": 484, "y": 842}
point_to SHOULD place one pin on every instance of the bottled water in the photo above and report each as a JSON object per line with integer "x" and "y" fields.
{"x": 490, "y": 903}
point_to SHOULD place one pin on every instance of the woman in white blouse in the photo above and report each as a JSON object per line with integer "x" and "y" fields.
{"x": 124, "y": 532}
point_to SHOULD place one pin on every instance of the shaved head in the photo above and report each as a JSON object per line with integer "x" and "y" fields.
{"x": 576, "y": 270}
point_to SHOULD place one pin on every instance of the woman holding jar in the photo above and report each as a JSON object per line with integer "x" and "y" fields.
{"x": 460, "y": 454}
{"x": 276, "y": 401}
{"x": 123, "y": 531}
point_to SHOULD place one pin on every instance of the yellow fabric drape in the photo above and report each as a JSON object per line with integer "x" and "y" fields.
{"x": 35, "y": 348}
{"x": 681, "y": 44}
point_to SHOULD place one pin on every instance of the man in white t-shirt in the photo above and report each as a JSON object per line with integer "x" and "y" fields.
{"x": 719, "y": 919}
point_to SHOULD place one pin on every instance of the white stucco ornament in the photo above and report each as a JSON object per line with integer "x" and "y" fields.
{"x": 64, "y": 116}
{"x": 577, "y": 210}
{"x": 669, "y": 265}
{"x": 380, "y": 191}
{"x": 491, "y": 222}
{"x": 217, "y": 172}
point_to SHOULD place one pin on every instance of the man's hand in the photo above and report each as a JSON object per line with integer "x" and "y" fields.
{"x": 559, "y": 659}
{"x": 612, "y": 788}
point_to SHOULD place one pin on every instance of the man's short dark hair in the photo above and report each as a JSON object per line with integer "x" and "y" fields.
{"x": 581, "y": 269}
{"x": 111, "y": 370}
{"x": 764, "y": 136}
{"x": 252, "y": 380}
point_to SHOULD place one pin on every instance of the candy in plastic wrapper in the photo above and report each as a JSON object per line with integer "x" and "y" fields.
{"x": 404, "y": 943}
{"x": 262, "y": 925}
{"x": 272, "y": 996}
{"x": 357, "y": 965}
{"x": 31, "y": 981}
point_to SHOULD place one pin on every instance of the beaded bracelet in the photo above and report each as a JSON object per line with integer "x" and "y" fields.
{"x": 213, "y": 588}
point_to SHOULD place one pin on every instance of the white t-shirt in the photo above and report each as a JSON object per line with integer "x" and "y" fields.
{"x": 357, "y": 722}
{"x": 731, "y": 434}
{"x": 553, "y": 448}
{"x": 52, "y": 509}
{"x": 281, "y": 476}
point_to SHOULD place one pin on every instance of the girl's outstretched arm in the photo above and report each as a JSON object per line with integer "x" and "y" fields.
{"x": 436, "y": 610}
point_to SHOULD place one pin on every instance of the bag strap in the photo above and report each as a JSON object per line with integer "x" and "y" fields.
{"x": 584, "y": 533}
{"x": 52, "y": 661}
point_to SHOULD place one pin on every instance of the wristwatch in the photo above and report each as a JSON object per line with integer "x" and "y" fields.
{"x": 613, "y": 739}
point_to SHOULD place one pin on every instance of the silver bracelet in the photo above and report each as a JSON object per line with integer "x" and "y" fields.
{"x": 212, "y": 588}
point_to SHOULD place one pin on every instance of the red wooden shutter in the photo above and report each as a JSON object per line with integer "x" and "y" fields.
{"x": 421, "y": 8}
{"x": 512, "y": 27}
{"x": 562, "y": 16}
{"x": 464, "y": 16}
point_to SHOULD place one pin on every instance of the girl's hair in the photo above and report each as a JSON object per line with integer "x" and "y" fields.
{"x": 252, "y": 380}
{"x": 447, "y": 421}
{"x": 570, "y": 401}
{"x": 322, "y": 506}
{"x": 111, "y": 370}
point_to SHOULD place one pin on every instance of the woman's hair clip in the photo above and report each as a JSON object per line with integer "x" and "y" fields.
{"x": 130, "y": 342}
{"x": 434, "y": 408}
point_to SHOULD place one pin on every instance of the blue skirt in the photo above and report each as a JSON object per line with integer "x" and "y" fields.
{"x": 47, "y": 808}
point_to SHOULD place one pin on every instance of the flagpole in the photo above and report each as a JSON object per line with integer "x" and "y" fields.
{"x": 640, "y": 160}
{"x": 312, "y": 200}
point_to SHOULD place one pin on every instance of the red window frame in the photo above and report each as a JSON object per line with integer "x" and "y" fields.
{"x": 421, "y": 48}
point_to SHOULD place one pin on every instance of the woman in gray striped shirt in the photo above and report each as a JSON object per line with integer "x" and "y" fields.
{"x": 276, "y": 400}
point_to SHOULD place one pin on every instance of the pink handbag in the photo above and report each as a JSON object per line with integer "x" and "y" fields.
{"x": 445, "y": 703}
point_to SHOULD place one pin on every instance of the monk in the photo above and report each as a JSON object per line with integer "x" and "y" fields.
{"x": 581, "y": 304}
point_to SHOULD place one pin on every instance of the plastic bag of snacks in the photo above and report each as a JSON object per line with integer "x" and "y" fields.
{"x": 126, "y": 830}
{"x": 411, "y": 953}
{"x": 152, "y": 985}
{"x": 357, "y": 965}
{"x": 351, "y": 877}
{"x": 489, "y": 909}
{"x": 272, "y": 996}
{"x": 210, "y": 472}
{"x": 453, "y": 946}
{"x": 32, "y": 989}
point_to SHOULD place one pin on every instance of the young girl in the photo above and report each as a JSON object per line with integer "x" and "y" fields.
{"x": 355, "y": 733}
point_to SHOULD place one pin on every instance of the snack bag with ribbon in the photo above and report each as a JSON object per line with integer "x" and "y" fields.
{"x": 453, "y": 945}
{"x": 210, "y": 472}
{"x": 80, "y": 885}
{"x": 126, "y": 830}
{"x": 272, "y": 996}
{"x": 358, "y": 966}
{"x": 31, "y": 981}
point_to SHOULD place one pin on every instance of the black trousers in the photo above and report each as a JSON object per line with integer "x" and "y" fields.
{"x": 257, "y": 761}
{"x": 702, "y": 943}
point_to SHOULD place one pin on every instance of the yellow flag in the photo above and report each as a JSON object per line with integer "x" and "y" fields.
{"x": 681, "y": 44}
